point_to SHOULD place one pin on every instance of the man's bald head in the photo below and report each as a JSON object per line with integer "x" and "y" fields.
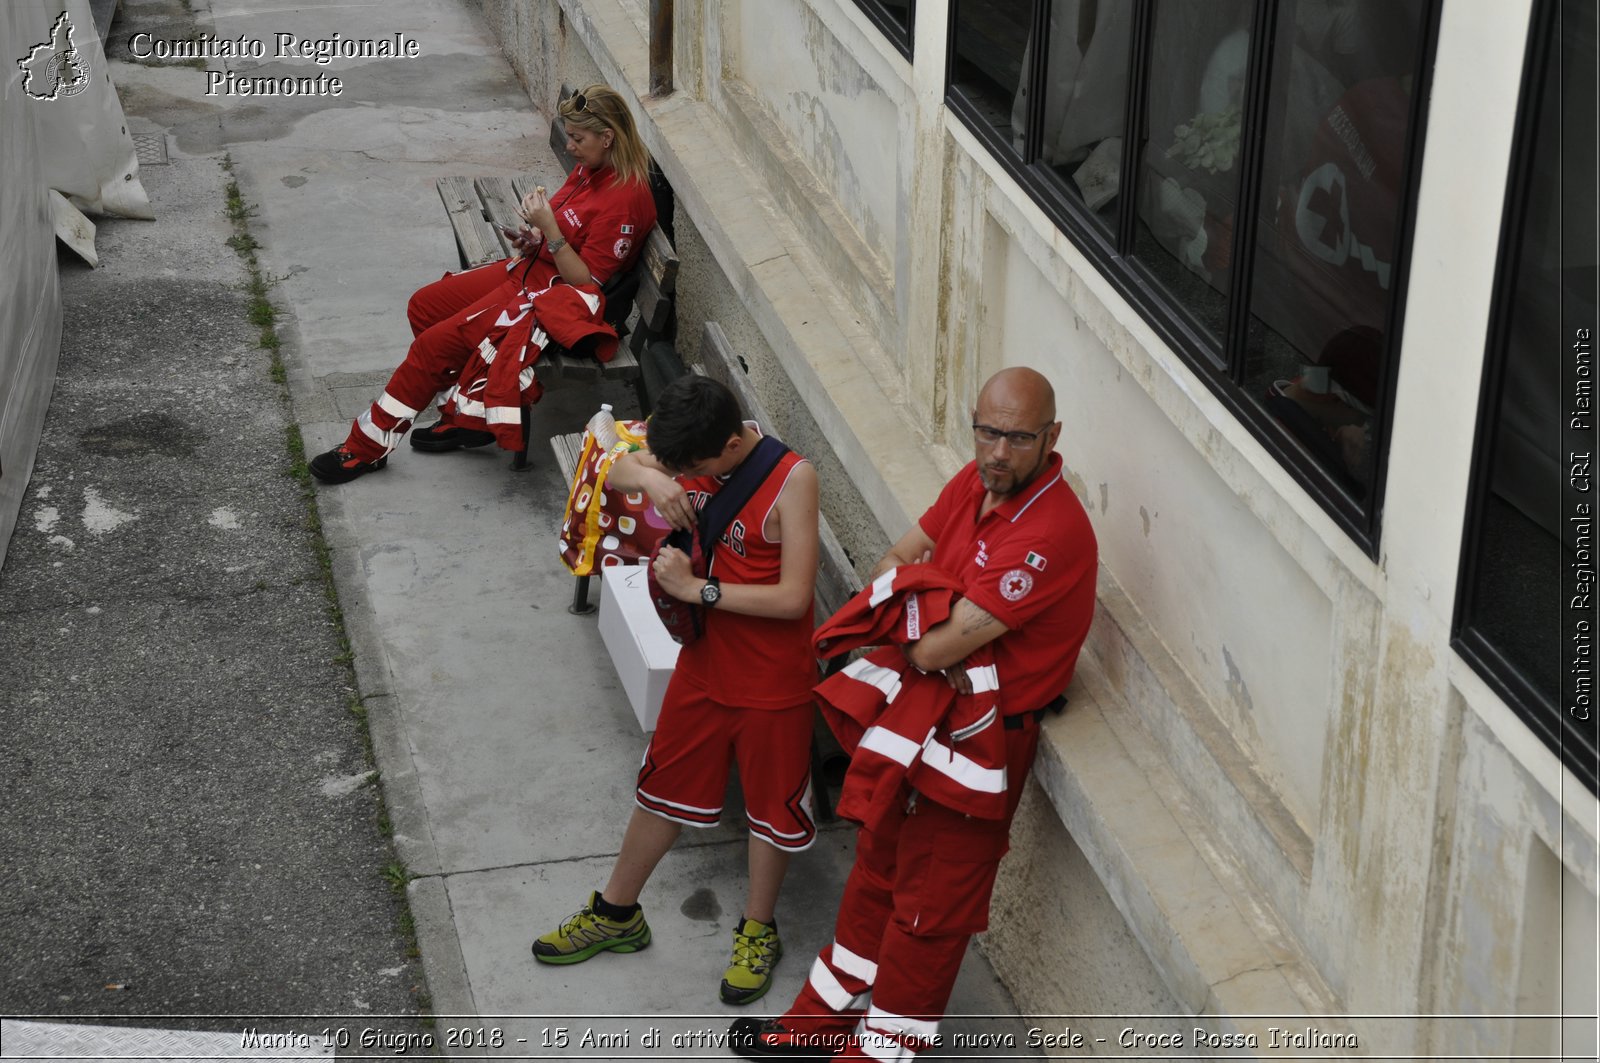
{"x": 1015, "y": 429}
{"x": 1020, "y": 391}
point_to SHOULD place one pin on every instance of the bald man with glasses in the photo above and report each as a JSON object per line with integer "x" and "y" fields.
{"x": 1011, "y": 531}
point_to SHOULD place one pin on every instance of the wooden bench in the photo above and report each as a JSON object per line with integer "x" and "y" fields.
{"x": 837, "y": 581}
{"x": 476, "y": 205}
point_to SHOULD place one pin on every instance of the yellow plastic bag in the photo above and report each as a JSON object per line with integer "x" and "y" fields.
{"x": 600, "y": 527}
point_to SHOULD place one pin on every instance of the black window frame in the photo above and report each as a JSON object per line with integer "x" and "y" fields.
{"x": 1543, "y": 716}
{"x": 1222, "y": 371}
{"x": 879, "y": 15}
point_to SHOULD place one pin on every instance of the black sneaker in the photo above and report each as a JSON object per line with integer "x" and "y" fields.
{"x": 339, "y": 466}
{"x": 440, "y": 438}
{"x": 771, "y": 1039}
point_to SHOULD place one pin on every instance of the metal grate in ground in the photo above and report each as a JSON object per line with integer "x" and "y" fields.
{"x": 151, "y": 148}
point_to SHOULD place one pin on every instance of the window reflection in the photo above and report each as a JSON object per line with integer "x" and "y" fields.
{"x": 991, "y": 38}
{"x": 899, "y": 12}
{"x": 1523, "y": 544}
{"x": 1085, "y": 98}
{"x": 894, "y": 18}
{"x": 1333, "y": 181}
{"x": 1188, "y": 183}
{"x": 1301, "y": 349}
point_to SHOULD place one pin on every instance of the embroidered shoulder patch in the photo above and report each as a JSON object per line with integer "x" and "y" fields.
{"x": 622, "y": 247}
{"x": 1035, "y": 561}
{"x": 1015, "y": 585}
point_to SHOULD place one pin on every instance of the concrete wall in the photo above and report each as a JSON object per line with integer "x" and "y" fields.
{"x": 1292, "y": 794}
{"x": 30, "y": 298}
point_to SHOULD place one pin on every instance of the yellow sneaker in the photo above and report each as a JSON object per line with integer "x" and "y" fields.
{"x": 584, "y": 934}
{"x": 756, "y": 951}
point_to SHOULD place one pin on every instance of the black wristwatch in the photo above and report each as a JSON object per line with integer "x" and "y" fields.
{"x": 711, "y": 593}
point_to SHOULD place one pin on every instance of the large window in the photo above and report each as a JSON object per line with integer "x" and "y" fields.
{"x": 1244, "y": 171}
{"x": 1526, "y": 614}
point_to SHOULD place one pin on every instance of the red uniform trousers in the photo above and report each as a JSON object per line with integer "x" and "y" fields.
{"x": 918, "y": 891}
{"x": 442, "y": 317}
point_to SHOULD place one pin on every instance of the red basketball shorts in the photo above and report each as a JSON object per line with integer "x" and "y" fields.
{"x": 685, "y": 771}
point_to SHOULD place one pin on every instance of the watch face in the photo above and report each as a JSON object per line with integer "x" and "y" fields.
{"x": 710, "y": 594}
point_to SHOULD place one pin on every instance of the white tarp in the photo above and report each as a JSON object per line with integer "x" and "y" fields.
{"x": 61, "y": 127}
{"x": 83, "y": 137}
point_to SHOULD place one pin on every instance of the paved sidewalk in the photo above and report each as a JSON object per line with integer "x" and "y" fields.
{"x": 506, "y": 744}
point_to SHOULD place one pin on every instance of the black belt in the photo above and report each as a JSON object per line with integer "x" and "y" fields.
{"x": 1018, "y": 721}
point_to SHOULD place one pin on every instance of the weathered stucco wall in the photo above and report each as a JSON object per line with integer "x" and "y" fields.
{"x": 1240, "y": 616}
{"x": 541, "y": 46}
{"x": 1517, "y": 933}
{"x": 824, "y": 118}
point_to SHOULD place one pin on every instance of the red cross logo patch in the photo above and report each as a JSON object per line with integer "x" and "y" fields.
{"x": 1015, "y": 585}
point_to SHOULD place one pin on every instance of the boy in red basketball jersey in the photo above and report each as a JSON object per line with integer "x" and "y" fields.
{"x": 742, "y": 691}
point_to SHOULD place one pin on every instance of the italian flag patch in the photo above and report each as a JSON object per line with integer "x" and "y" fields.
{"x": 1035, "y": 561}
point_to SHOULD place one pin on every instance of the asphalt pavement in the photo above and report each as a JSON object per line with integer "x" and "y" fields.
{"x": 194, "y": 819}
{"x": 189, "y": 823}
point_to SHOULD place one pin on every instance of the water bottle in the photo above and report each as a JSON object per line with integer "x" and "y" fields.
{"x": 603, "y": 426}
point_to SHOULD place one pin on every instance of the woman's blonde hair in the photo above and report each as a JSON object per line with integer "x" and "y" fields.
{"x": 599, "y": 108}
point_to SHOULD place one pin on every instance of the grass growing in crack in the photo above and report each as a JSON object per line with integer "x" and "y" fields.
{"x": 408, "y": 928}
{"x": 263, "y": 315}
{"x": 397, "y": 876}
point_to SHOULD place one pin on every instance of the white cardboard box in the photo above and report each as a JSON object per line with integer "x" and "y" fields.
{"x": 642, "y": 651}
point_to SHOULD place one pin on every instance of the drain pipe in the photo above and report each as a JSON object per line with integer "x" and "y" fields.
{"x": 660, "y": 48}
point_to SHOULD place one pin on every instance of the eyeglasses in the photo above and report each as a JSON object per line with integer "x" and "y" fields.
{"x": 579, "y": 102}
{"x": 1017, "y": 440}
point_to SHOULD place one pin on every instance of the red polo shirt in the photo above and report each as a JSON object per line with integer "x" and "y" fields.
{"x": 1030, "y": 563}
{"x": 605, "y": 220}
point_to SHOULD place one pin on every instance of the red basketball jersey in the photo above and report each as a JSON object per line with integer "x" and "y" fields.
{"x": 750, "y": 661}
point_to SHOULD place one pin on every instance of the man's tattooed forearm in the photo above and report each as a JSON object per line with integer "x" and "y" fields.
{"x": 977, "y": 622}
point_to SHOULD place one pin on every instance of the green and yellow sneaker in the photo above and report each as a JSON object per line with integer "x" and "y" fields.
{"x": 583, "y": 934}
{"x": 756, "y": 951}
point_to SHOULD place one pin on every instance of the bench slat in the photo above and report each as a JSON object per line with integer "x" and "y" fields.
{"x": 625, "y": 366}
{"x": 558, "y": 365}
{"x": 475, "y": 238}
{"x": 501, "y": 202}
{"x": 521, "y": 186}
{"x": 654, "y": 307}
{"x": 660, "y": 261}
{"x": 566, "y": 449}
